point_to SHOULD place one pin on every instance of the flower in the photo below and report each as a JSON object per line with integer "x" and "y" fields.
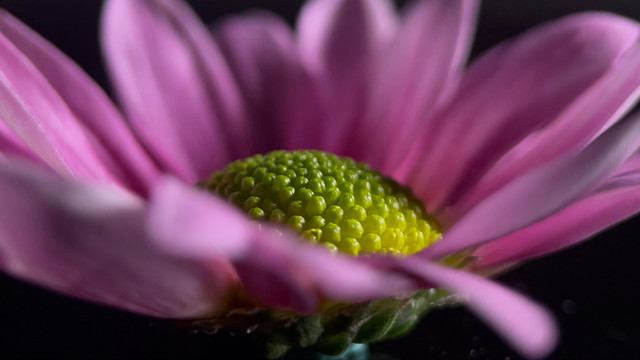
{"x": 521, "y": 154}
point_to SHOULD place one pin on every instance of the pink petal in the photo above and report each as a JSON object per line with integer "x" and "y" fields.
{"x": 174, "y": 84}
{"x": 615, "y": 200}
{"x": 515, "y": 89}
{"x": 543, "y": 191}
{"x": 276, "y": 269}
{"x": 13, "y": 147}
{"x": 631, "y": 165}
{"x": 522, "y": 323}
{"x": 593, "y": 112}
{"x": 325, "y": 30}
{"x": 281, "y": 99}
{"x": 35, "y": 113}
{"x": 191, "y": 223}
{"x": 338, "y": 40}
{"x": 415, "y": 74}
{"x": 284, "y": 272}
{"x": 272, "y": 277}
{"x": 89, "y": 242}
{"x": 89, "y": 104}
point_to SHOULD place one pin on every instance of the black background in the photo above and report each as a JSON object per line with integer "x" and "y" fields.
{"x": 591, "y": 288}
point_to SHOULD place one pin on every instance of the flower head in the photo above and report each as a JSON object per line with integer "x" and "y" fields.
{"x": 522, "y": 153}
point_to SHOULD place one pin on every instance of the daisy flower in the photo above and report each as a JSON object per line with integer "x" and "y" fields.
{"x": 346, "y": 169}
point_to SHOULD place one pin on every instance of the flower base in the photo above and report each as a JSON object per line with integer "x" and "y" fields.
{"x": 331, "y": 332}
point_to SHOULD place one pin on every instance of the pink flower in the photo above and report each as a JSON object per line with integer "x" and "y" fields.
{"x": 519, "y": 155}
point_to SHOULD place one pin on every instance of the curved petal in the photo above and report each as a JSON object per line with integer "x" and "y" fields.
{"x": 338, "y": 40}
{"x": 89, "y": 104}
{"x": 305, "y": 274}
{"x": 13, "y": 147}
{"x": 416, "y": 73}
{"x": 188, "y": 223}
{"x": 525, "y": 325}
{"x": 604, "y": 103}
{"x": 176, "y": 88}
{"x": 281, "y": 99}
{"x": 616, "y": 199}
{"x": 272, "y": 278}
{"x": 328, "y": 28}
{"x": 275, "y": 269}
{"x": 543, "y": 191}
{"x": 631, "y": 165}
{"x": 89, "y": 242}
{"x": 518, "y": 88}
{"x": 35, "y": 113}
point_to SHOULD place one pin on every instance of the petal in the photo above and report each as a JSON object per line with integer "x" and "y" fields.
{"x": 279, "y": 94}
{"x": 631, "y": 165}
{"x": 174, "y": 85}
{"x": 272, "y": 278}
{"x": 330, "y": 31}
{"x": 417, "y": 71}
{"x": 338, "y": 40}
{"x": 597, "y": 109}
{"x": 191, "y": 223}
{"x": 303, "y": 274}
{"x": 522, "y": 323}
{"x": 616, "y": 199}
{"x": 543, "y": 191}
{"x": 89, "y": 242}
{"x": 13, "y": 147}
{"x": 276, "y": 268}
{"x": 89, "y": 104}
{"x": 35, "y": 113}
{"x": 512, "y": 91}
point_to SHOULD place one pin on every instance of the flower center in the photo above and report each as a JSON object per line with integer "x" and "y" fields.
{"x": 329, "y": 200}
